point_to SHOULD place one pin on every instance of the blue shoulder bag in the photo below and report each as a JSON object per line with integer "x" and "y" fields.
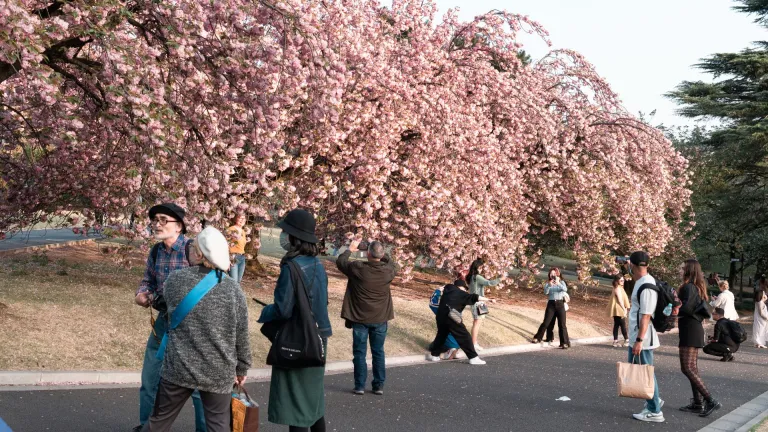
{"x": 188, "y": 303}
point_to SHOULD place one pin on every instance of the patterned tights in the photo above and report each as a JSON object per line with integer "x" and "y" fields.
{"x": 689, "y": 357}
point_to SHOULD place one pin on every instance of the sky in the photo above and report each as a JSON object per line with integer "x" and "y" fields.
{"x": 642, "y": 48}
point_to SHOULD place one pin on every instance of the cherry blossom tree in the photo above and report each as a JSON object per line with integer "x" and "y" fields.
{"x": 440, "y": 139}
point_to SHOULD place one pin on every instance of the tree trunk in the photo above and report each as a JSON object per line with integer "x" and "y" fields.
{"x": 732, "y": 266}
{"x": 253, "y": 265}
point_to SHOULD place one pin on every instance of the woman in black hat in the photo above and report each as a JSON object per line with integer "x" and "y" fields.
{"x": 297, "y": 396}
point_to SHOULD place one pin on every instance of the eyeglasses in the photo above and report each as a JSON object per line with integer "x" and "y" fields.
{"x": 162, "y": 221}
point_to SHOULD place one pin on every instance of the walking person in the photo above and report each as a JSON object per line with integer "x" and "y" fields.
{"x": 169, "y": 254}
{"x": 725, "y": 301}
{"x": 367, "y": 308}
{"x": 450, "y": 348}
{"x": 760, "y": 325}
{"x": 641, "y": 331}
{"x": 208, "y": 349}
{"x": 449, "y": 321}
{"x": 297, "y": 396}
{"x": 477, "y": 284}
{"x": 722, "y": 344}
{"x": 693, "y": 294}
{"x": 557, "y": 291}
{"x": 238, "y": 240}
{"x": 618, "y": 308}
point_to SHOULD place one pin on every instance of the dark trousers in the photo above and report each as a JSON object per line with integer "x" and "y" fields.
{"x": 377, "y": 334}
{"x": 555, "y": 309}
{"x": 719, "y": 349}
{"x": 447, "y": 326}
{"x": 171, "y": 399}
{"x": 619, "y": 322}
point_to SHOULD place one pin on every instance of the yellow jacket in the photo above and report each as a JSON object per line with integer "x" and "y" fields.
{"x": 615, "y": 304}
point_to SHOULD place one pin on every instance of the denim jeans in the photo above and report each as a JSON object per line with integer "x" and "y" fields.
{"x": 150, "y": 378}
{"x": 237, "y": 269}
{"x": 360, "y": 335}
{"x": 646, "y": 357}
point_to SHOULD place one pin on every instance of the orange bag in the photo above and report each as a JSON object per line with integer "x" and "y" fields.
{"x": 245, "y": 412}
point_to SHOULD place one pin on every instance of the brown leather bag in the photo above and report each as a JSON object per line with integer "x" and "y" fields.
{"x": 245, "y": 418}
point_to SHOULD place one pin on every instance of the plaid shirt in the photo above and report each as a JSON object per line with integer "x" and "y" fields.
{"x": 168, "y": 260}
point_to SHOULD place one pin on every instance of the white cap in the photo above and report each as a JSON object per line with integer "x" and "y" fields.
{"x": 214, "y": 247}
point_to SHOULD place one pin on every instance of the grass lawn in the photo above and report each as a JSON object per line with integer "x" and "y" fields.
{"x": 72, "y": 309}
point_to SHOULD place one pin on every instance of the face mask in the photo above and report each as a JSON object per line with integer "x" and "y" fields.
{"x": 285, "y": 243}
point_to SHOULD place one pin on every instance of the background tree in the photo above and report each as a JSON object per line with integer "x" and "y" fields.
{"x": 440, "y": 139}
{"x": 730, "y": 161}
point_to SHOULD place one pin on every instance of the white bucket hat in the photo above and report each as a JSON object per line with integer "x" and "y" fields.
{"x": 214, "y": 247}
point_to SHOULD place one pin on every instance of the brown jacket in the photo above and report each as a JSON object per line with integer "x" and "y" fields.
{"x": 368, "y": 299}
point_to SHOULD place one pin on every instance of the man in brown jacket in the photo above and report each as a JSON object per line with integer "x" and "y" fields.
{"x": 367, "y": 308}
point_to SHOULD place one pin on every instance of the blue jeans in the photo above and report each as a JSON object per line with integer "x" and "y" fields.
{"x": 238, "y": 268}
{"x": 360, "y": 334}
{"x": 646, "y": 357}
{"x": 150, "y": 378}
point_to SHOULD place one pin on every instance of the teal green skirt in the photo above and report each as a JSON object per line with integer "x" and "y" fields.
{"x": 297, "y": 396}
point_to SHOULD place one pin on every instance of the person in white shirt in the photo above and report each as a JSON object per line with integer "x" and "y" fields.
{"x": 725, "y": 301}
{"x": 641, "y": 330}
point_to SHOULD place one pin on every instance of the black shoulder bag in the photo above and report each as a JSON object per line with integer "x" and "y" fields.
{"x": 297, "y": 343}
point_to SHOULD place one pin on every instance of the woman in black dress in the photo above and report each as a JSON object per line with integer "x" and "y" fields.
{"x": 693, "y": 295}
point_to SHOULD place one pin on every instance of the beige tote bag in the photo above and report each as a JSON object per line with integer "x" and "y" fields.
{"x": 634, "y": 380}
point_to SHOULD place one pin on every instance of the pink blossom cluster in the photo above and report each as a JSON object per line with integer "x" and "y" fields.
{"x": 430, "y": 135}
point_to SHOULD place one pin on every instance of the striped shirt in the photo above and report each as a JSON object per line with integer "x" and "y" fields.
{"x": 168, "y": 260}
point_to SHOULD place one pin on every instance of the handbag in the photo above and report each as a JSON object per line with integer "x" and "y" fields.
{"x": 297, "y": 343}
{"x": 454, "y": 315}
{"x": 634, "y": 380}
{"x": 566, "y": 299}
{"x": 482, "y": 308}
{"x": 245, "y": 412}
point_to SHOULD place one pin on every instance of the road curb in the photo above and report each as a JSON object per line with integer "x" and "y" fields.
{"x": 743, "y": 418}
{"x": 43, "y": 380}
{"x": 44, "y": 247}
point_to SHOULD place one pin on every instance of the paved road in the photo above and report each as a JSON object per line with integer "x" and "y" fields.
{"x": 41, "y": 237}
{"x": 514, "y": 392}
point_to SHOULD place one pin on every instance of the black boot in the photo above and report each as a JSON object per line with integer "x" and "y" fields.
{"x": 710, "y": 406}
{"x": 694, "y": 407}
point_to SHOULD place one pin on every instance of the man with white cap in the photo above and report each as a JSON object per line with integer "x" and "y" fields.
{"x": 207, "y": 347}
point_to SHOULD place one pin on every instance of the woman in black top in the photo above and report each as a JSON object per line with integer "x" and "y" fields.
{"x": 455, "y": 297}
{"x": 693, "y": 295}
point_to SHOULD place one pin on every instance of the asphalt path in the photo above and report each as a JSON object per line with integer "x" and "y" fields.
{"x": 41, "y": 237}
{"x": 513, "y": 392}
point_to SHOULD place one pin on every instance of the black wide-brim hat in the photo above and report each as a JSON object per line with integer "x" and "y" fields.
{"x": 172, "y": 210}
{"x": 300, "y": 224}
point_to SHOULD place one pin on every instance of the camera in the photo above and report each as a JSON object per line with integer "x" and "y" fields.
{"x": 621, "y": 259}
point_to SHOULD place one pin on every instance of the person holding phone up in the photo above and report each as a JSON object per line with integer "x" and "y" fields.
{"x": 557, "y": 291}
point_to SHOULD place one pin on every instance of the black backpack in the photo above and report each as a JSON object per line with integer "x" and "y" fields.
{"x": 662, "y": 322}
{"x": 737, "y": 332}
{"x": 297, "y": 343}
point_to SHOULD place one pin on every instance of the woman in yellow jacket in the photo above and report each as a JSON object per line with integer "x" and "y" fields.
{"x": 619, "y": 306}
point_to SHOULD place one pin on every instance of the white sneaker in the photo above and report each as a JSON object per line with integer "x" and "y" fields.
{"x": 648, "y": 416}
{"x": 430, "y": 357}
{"x": 476, "y": 361}
{"x": 478, "y": 347}
{"x": 448, "y": 354}
{"x": 615, "y": 344}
